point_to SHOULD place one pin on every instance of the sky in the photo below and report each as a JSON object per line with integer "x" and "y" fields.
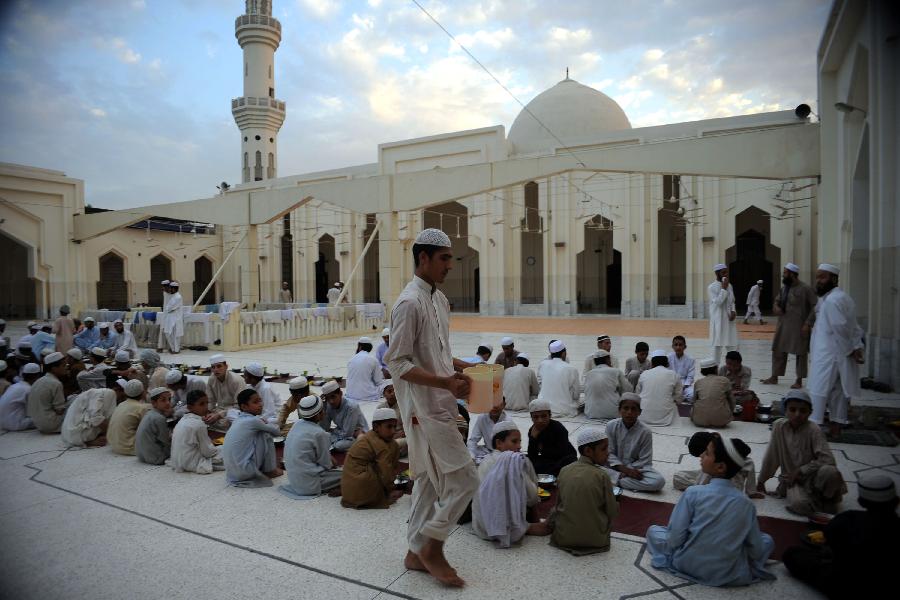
{"x": 133, "y": 96}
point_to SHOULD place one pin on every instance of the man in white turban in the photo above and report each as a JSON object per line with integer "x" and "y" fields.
{"x": 722, "y": 326}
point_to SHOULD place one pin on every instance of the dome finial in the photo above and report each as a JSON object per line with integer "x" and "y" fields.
{"x": 567, "y": 73}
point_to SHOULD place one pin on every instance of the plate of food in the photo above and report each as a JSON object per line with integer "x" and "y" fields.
{"x": 546, "y": 479}
{"x": 814, "y": 538}
{"x": 543, "y": 494}
{"x": 218, "y": 441}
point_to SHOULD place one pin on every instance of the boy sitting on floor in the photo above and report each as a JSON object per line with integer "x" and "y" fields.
{"x": 349, "y": 422}
{"x": 508, "y": 490}
{"x": 126, "y": 417}
{"x": 480, "y": 429}
{"x": 549, "y": 448}
{"x": 372, "y": 465}
{"x": 307, "y": 458}
{"x": 745, "y": 480}
{"x": 248, "y": 451}
{"x": 87, "y": 418}
{"x": 809, "y": 477}
{"x": 192, "y": 450}
{"x": 630, "y": 464}
{"x": 390, "y": 401}
{"x": 153, "y": 440}
{"x": 713, "y": 402}
{"x": 713, "y": 536}
{"x": 582, "y": 520}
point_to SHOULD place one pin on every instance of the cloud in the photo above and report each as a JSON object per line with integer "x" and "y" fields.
{"x": 320, "y": 9}
{"x": 138, "y": 4}
{"x": 560, "y": 37}
{"x": 97, "y": 112}
{"x": 123, "y": 52}
{"x": 495, "y": 39}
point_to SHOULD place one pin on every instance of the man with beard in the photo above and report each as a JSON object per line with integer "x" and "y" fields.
{"x": 795, "y": 307}
{"x": 837, "y": 351}
{"x": 722, "y": 326}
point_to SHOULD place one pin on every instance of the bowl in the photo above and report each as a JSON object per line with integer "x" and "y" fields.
{"x": 278, "y": 439}
{"x": 764, "y": 418}
{"x": 617, "y": 491}
{"x": 546, "y": 479}
{"x": 401, "y": 480}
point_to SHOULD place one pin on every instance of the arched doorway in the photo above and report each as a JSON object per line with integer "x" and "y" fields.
{"x": 599, "y": 269}
{"x": 371, "y": 279}
{"x": 112, "y": 289}
{"x": 160, "y": 269}
{"x": 203, "y": 272}
{"x": 671, "y": 266}
{"x": 19, "y": 300}
{"x": 327, "y": 268}
{"x": 753, "y": 258}
{"x": 532, "y": 257}
{"x": 461, "y": 287}
{"x": 287, "y": 254}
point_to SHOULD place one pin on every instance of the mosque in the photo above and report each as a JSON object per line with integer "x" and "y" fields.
{"x": 570, "y": 211}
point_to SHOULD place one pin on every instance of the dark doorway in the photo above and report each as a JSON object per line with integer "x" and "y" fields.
{"x": 112, "y": 289}
{"x": 160, "y": 269}
{"x": 753, "y": 258}
{"x": 462, "y": 286}
{"x": 203, "y": 272}
{"x": 371, "y": 278}
{"x": 532, "y": 256}
{"x": 327, "y": 268}
{"x": 598, "y": 275}
{"x": 287, "y": 255}
{"x": 17, "y": 294}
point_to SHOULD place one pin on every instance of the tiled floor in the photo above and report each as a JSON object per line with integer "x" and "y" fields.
{"x": 90, "y": 523}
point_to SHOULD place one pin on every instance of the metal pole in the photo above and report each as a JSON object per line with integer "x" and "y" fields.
{"x": 219, "y": 270}
{"x": 359, "y": 261}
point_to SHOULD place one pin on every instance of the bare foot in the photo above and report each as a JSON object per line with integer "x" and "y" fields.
{"x": 413, "y": 563}
{"x": 770, "y": 381}
{"x": 538, "y": 529}
{"x": 797, "y": 384}
{"x": 335, "y": 492}
{"x": 432, "y": 557}
{"x": 273, "y": 474}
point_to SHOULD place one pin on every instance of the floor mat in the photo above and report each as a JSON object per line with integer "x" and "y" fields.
{"x": 866, "y": 437}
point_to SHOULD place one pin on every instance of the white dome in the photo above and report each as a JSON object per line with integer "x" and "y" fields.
{"x": 572, "y": 111}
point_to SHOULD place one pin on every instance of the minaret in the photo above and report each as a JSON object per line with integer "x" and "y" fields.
{"x": 257, "y": 113}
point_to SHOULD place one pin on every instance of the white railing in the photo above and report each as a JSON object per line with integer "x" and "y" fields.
{"x": 296, "y": 325}
{"x": 257, "y": 101}
{"x": 244, "y": 20}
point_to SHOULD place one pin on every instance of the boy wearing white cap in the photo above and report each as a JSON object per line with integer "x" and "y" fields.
{"x": 795, "y": 307}
{"x": 107, "y": 339}
{"x": 713, "y": 401}
{"x": 507, "y": 357}
{"x": 582, "y": 519}
{"x": 559, "y": 382}
{"x": 349, "y": 422}
{"x": 549, "y": 449}
{"x": 153, "y": 439}
{"x": 13, "y": 402}
{"x": 364, "y": 374}
{"x": 836, "y": 351}
{"x": 126, "y": 418}
{"x": 334, "y": 293}
{"x": 660, "y": 391}
{"x": 520, "y": 384}
{"x": 372, "y": 464}
{"x": 254, "y": 377}
{"x": 192, "y": 450}
{"x": 723, "y": 334}
{"x": 753, "y": 303}
{"x": 382, "y": 350}
{"x": 480, "y": 429}
{"x": 95, "y": 375}
{"x": 181, "y": 384}
{"x": 46, "y": 401}
{"x": 87, "y": 418}
{"x": 604, "y": 343}
{"x": 299, "y": 389}
{"x": 222, "y": 388}
{"x": 125, "y": 340}
{"x": 307, "y": 456}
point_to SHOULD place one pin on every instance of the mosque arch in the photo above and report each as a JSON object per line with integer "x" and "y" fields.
{"x": 327, "y": 267}
{"x": 112, "y": 286}
{"x": 371, "y": 277}
{"x": 258, "y": 167}
{"x": 599, "y": 269}
{"x": 753, "y": 257}
{"x": 462, "y": 286}
{"x": 160, "y": 269}
{"x": 671, "y": 241}
{"x": 287, "y": 253}
{"x": 17, "y": 300}
{"x": 532, "y": 254}
{"x": 203, "y": 273}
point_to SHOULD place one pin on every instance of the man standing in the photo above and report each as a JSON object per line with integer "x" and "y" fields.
{"x": 422, "y": 367}
{"x": 795, "y": 308}
{"x": 837, "y": 351}
{"x": 335, "y": 293}
{"x": 64, "y": 329}
{"x": 161, "y": 338}
{"x": 173, "y": 325}
{"x": 753, "y": 303}
{"x": 722, "y": 328}
{"x": 285, "y": 295}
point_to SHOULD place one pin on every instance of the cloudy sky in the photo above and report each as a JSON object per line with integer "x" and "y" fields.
{"x": 133, "y": 96}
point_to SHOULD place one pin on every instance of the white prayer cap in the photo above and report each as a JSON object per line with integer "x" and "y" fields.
{"x": 589, "y": 435}
{"x": 631, "y": 396}
{"x": 537, "y": 405}
{"x": 89, "y": 320}
{"x": 364, "y": 340}
{"x": 104, "y": 325}
{"x": 157, "y": 391}
{"x": 658, "y": 353}
{"x": 556, "y": 346}
{"x": 386, "y": 332}
{"x": 876, "y": 487}
{"x": 149, "y": 357}
{"x": 53, "y": 357}
{"x": 732, "y": 452}
{"x": 2, "y": 322}
{"x": 792, "y": 267}
{"x": 310, "y": 406}
{"x": 601, "y": 354}
{"x": 800, "y": 394}
{"x": 708, "y": 363}
{"x": 75, "y": 353}
{"x": 216, "y": 359}
{"x": 174, "y": 284}
{"x": 503, "y": 426}
{"x": 507, "y": 341}
{"x": 298, "y": 383}
{"x": 719, "y": 267}
{"x": 385, "y": 383}
{"x": 133, "y": 388}
{"x": 121, "y": 382}
{"x": 46, "y": 352}
{"x": 2, "y": 366}
{"x": 31, "y": 324}
{"x": 759, "y": 281}
{"x": 330, "y": 387}
{"x": 122, "y": 356}
{"x": 488, "y": 346}
{"x": 164, "y": 282}
{"x": 829, "y": 268}
{"x": 433, "y": 237}
{"x": 25, "y": 344}
{"x": 603, "y": 337}
{"x": 173, "y": 376}
{"x": 523, "y": 356}
{"x": 31, "y": 368}
{"x": 383, "y": 414}
{"x": 98, "y": 351}
{"x": 337, "y": 283}
{"x": 254, "y": 368}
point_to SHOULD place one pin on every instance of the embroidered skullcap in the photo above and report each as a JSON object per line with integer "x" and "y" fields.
{"x": 310, "y": 406}
{"x": 589, "y": 435}
{"x": 254, "y": 368}
{"x": 792, "y": 267}
{"x": 601, "y": 354}
{"x": 385, "y": 383}
{"x": 719, "y": 267}
{"x": 133, "y": 388}
{"x": 89, "y": 320}
{"x": 364, "y": 340}
{"x": 150, "y": 358}
{"x": 603, "y": 338}
{"x": 174, "y": 284}
{"x": 330, "y": 387}
{"x": 433, "y": 237}
{"x": 386, "y": 332}
{"x": 631, "y": 396}
{"x": 164, "y": 282}
{"x": 732, "y": 452}
{"x": 122, "y": 356}
{"x": 121, "y": 382}
{"x": 708, "y": 363}
{"x": 658, "y": 353}
{"x": 500, "y": 426}
{"x": 75, "y": 353}
{"x": 759, "y": 281}
{"x": 556, "y": 346}
{"x": 173, "y": 376}
{"x": 829, "y": 268}
{"x": 98, "y": 351}
{"x": 298, "y": 383}
{"x": 383, "y": 414}
{"x": 876, "y": 487}
{"x": 31, "y": 368}
{"x": 216, "y": 359}
{"x": 538, "y": 405}
{"x": 507, "y": 341}
{"x": 157, "y": 391}
{"x": 53, "y": 357}
{"x": 104, "y": 325}
{"x": 801, "y": 395}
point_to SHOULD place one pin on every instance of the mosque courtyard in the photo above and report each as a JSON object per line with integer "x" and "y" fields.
{"x": 101, "y": 525}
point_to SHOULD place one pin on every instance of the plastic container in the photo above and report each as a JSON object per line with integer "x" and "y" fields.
{"x": 481, "y": 393}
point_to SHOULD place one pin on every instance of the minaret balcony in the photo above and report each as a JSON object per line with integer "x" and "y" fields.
{"x": 263, "y": 102}
{"x": 260, "y": 29}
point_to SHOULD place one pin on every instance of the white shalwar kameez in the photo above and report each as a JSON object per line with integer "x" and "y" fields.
{"x": 161, "y": 338}
{"x": 13, "y": 413}
{"x": 833, "y": 373}
{"x": 481, "y": 429}
{"x": 722, "y": 331}
{"x": 174, "y": 322}
{"x": 125, "y": 341}
{"x": 753, "y": 304}
{"x": 440, "y": 464}
{"x": 684, "y": 366}
{"x": 561, "y": 385}
{"x": 192, "y": 450}
{"x": 363, "y": 378}
{"x": 85, "y": 415}
{"x": 520, "y": 386}
{"x": 272, "y": 402}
